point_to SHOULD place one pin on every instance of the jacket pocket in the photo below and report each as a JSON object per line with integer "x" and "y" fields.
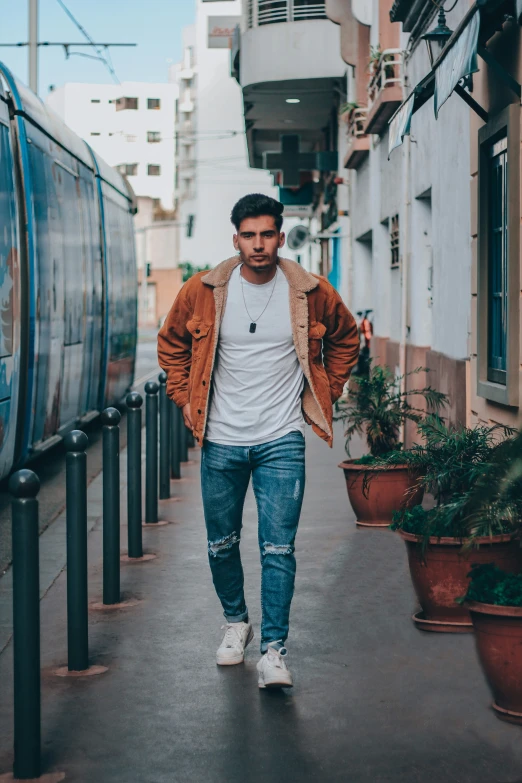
{"x": 198, "y": 329}
{"x": 316, "y": 331}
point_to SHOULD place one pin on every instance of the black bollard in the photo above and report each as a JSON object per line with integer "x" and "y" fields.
{"x": 175, "y": 422}
{"x": 151, "y": 452}
{"x": 111, "y": 506}
{"x": 76, "y": 504}
{"x": 164, "y": 454}
{"x": 135, "y": 545}
{"x": 24, "y": 485}
{"x": 191, "y": 443}
{"x": 183, "y": 440}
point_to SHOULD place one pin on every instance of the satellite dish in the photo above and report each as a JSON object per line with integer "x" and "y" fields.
{"x": 298, "y": 237}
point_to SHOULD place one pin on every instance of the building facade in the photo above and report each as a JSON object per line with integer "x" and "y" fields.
{"x": 425, "y": 231}
{"x": 212, "y": 166}
{"x": 132, "y": 126}
{"x": 286, "y": 57}
{"x": 440, "y": 263}
{"x": 409, "y": 248}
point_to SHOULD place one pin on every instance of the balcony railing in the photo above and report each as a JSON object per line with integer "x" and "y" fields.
{"x": 260, "y": 12}
{"x": 357, "y": 121}
{"x": 388, "y": 73}
{"x": 358, "y": 145}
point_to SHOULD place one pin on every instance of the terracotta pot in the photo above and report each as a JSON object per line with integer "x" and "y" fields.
{"x": 386, "y": 493}
{"x": 498, "y": 634}
{"x": 440, "y": 575}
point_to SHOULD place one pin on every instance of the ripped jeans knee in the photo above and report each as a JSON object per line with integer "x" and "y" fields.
{"x": 276, "y": 549}
{"x": 225, "y": 543}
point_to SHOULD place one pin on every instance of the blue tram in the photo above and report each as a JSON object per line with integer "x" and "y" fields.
{"x": 68, "y": 282}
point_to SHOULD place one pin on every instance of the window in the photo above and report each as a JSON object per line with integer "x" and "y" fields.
{"x": 95, "y": 100}
{"x": 497, "y": 266}
{"x": 95, "y": 133}
{"x": 153, "y": 136}
{"x": 128, "y": 169}
{"x": 153, "y": 170}
{"x": 498, "y": 259}
{"x": 394, "y": 242}
{"x": 153, "y": 103}
{"x": 130, "y": 137}
{"x": 126, "y": 103}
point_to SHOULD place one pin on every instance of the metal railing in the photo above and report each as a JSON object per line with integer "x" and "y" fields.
{"x": 387, "y": 73}
{"x": 357, "y": 122}
{"x": 261, "y": 12}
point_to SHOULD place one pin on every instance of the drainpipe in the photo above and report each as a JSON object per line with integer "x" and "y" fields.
{"x": 405, "y": 261}
{"x": 349, "y": 259}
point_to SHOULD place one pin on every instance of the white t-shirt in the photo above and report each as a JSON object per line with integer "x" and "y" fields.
{"x": 257, "y": 380}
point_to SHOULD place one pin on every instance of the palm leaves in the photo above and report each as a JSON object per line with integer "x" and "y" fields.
{"x": 376, "y": 409}
{"x": 474, "y": 474}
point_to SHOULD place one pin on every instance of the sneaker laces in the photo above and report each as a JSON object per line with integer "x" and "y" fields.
{"x": 276, "y": 657}
{"x": 231, "y": 638}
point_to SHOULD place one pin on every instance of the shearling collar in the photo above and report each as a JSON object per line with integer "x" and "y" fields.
{"x": 297, "y": 277}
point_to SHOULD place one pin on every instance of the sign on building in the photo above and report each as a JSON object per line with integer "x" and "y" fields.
{"x": 220, "y": 30}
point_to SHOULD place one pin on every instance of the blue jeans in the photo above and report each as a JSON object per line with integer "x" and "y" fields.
{"x": 278, "y": 478}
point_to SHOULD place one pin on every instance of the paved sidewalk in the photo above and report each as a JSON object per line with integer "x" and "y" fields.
{"x": 375, "y": 700}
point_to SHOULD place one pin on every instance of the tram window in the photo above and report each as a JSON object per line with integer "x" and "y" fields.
{"x": 8, "y": 243}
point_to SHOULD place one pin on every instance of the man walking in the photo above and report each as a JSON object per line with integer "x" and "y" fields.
{"x": 253, "y": 350}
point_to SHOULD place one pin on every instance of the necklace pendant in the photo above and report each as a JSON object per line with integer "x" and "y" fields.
{"x": 252, "y": 328}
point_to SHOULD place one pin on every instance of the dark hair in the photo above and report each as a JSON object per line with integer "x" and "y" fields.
{"x": 255, "y": 205}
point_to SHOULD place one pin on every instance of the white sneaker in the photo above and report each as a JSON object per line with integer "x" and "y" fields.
{"x": 273, "y": 671}
{"x": 232, "y": 648}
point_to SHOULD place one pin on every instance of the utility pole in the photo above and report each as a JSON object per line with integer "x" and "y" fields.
{"x": 33, "y": 45}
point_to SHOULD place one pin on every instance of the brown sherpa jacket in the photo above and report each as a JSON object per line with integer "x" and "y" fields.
{"x": 325, "y": 338}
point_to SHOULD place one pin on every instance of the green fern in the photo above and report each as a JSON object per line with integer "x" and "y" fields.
{"x": 376, "y": 408}
{"x": 490, "y": 585}
{"x": 473, "y": 475}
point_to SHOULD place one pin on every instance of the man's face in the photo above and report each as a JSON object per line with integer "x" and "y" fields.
{"x": 258, "y": 241}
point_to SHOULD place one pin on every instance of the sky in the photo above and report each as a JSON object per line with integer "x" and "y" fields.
{"x": 155, "y": 25}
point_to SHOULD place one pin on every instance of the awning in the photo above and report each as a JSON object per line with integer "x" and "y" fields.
{"x": 457, "y": 61}
{"x": 400, "y": 124}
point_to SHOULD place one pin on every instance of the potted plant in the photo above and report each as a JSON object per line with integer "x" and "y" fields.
{"x": 441, "y": 547}
{"x": 377, "y": 408}
{"x": 494, "y": 596}
{"x": 347, "y": 109}
{"x": 375, "y": 57}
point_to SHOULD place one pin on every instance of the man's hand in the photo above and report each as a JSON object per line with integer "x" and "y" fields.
{"x": 187, "y": 418}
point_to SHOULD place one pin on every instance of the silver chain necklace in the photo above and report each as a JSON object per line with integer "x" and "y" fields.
{"x": 253, "y": 321}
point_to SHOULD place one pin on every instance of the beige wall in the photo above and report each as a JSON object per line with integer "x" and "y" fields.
{"x": 443, "y": 373}
{"x": 167, "y": 283}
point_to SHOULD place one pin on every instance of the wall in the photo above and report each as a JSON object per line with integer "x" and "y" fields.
{"x": 291, "y": 50}
{"x": 425, "y": 182}
{"x": 157, "y": 244}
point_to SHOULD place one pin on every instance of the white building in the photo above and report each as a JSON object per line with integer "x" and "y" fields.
{"x": 213, "y": 171}
{"x": 131, "y": 125}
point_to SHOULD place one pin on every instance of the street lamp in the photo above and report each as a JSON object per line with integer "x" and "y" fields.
{"x": 437, "y": 39}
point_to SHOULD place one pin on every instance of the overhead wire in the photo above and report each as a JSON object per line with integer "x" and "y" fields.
{"x": 98, "y": 49}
